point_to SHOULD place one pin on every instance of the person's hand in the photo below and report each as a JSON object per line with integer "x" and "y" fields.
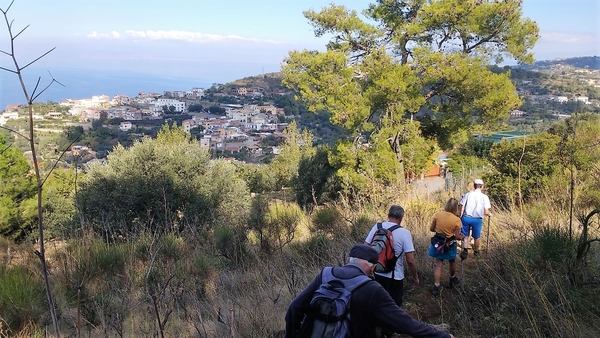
{"x": 415, "y": 282}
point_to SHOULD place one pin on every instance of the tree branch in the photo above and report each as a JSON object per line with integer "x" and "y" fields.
{"x": 58, "y": 160}
{"x": 16, "y": 132}
{"x": 29, "y": 64}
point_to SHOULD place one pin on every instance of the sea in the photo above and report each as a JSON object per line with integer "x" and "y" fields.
{"x": 80, "y": 84}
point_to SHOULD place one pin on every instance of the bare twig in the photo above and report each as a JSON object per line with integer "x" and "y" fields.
{"x": 16, "y": 132}
{"x": 5, "y": 149}
{"x": 58, "y": 160}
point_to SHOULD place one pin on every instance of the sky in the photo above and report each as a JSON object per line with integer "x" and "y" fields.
{"x": 123, "y": 47}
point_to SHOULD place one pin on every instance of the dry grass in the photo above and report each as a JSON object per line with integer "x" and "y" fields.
{"x": 524, "y": 283}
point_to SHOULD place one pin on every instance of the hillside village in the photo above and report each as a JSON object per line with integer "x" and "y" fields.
{"x": 559, "y": 82}
{"x": 243, "y": 113}
{"x": 238, "y": 127}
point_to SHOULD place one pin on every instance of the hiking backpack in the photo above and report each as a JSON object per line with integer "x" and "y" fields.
{"x": 329, "y": 315}
{"x": 383, "y": 242}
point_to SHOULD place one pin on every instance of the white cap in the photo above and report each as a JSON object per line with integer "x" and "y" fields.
{"x": 478, "y": 181}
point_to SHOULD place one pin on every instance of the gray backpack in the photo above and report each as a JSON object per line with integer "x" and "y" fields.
{"x": 329, "y": 315}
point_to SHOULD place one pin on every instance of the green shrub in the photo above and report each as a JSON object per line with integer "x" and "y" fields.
{"x": 104, "y": 259}
{"x": 172, "y": 246}
{"x": 317, "y": 250}
{"x": 274, "y": 224}
{"x": 361, "y": 227}
{"x": 329, "y": 221}
{"x": 551, "y": 247}
{"x": 230, "y": 242}
{"x": 22, "y": 296}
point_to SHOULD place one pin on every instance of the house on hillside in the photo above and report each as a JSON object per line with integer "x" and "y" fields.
{"x": 13, "y": 107}
{"x": 126, "y": 126}
{"x": 10, "y": 115}
{"x": 121, "y": 99}
{"x": 583, "y": 99}
{"x": 561, "y": 99}
{"x": 270, "y": 109}
{"x": 54, "y": 115}
{"x": 188, "y": 125}
{"x": 517, "y": 112}
{"x": 205, "y": 142}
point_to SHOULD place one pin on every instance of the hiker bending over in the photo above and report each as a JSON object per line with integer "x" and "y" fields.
{"x": 446, "y": 226}
{"x": 393, "y": 281}
{"x": 475, "y": 205}
{"x": 370, "y": 305}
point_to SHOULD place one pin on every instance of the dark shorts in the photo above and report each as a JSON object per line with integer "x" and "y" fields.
{"x": 471, "y": 224}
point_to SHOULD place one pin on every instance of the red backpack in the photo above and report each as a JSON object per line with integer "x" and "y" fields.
{"x": 383, "y": 242}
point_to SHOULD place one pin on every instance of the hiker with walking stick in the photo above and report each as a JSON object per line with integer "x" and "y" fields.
{"x": 475, "y": 205}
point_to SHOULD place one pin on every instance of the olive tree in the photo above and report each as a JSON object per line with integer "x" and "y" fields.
{"x": 161, "y": 184}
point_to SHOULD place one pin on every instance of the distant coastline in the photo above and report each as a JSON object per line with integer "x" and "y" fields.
{"x": 86, "y": 83}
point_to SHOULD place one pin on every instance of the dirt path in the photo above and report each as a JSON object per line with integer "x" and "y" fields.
{"x": 428, "y": 185}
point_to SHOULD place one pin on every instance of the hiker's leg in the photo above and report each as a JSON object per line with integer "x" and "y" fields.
{"x": 477, "y": 226}
{"x": 465, "y": 230}
{"x": 393, "y": 286}
{"x": 437, "y": 272}
{"x": 396, "y": 290}
{"x": 475, "y": 244}
{"x": 452, "y": 267}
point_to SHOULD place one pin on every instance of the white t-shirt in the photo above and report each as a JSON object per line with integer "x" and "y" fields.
{"x": 402, "y": 243}
{"x": 475, "y": 203}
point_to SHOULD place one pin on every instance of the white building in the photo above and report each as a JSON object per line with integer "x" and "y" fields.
{"x": 125, "y": 126}
{"x": 561, "y": 99}
{"x": 12, "y": 115}
{"x": 179, "y": 106}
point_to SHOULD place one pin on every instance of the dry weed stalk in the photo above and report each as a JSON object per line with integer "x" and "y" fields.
{"x": 18, "y": 70}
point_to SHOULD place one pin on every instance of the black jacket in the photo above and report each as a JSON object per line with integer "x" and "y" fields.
{"x": 370, "y": 306}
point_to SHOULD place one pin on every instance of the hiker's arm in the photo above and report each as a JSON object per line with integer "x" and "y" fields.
{"x": 432, "y": 227}
{"x": 487, "y": 212}
{"x": 298, "y": 307}
{"x": 412, "y": 267}
{"x": 462, "y": 210}
{"x": 391, "y": 317}
{"x": 487, "y": 206}
{"x": 458, "y": 234}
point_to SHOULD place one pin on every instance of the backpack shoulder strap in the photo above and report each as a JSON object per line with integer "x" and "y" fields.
{"x": 350, "y": 284}
{"x": 327, "y": 275}
{"x": 394, "y": 227}
{"x": 354, "y": 283}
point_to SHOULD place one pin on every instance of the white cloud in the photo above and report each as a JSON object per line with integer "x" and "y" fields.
{"x": 578, "y": 38}
{"x": 176, "y": 35}
{"x": 112, "y": 35}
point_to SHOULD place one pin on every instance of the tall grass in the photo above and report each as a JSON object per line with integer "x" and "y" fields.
{"x": 523, "y": 285}
{"x": 524, "y": 289}
{"x": 22, "y": 297}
